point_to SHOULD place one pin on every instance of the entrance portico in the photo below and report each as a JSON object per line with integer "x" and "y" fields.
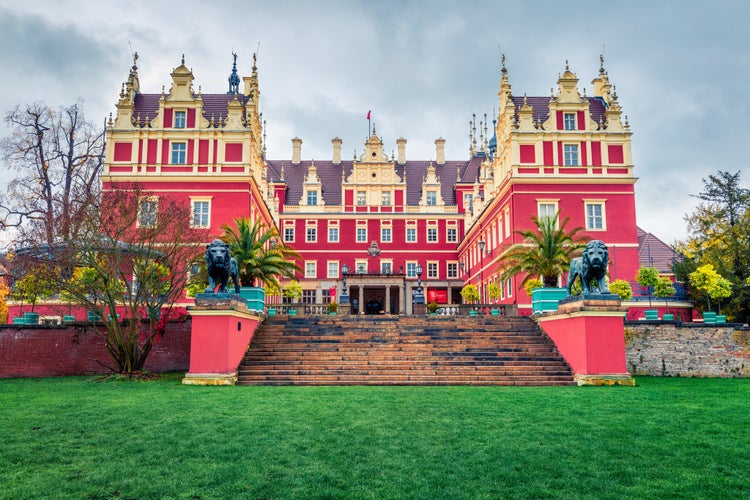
{"x": 389, "y": 293}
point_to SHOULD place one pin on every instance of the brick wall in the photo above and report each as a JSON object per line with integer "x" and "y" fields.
{"x": 73, "y": 350}
{"x": 688, "y": 350}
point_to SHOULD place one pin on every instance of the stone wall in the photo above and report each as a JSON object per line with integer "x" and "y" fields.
{"x": 53, "y": 351}
{"x": 687, "y": 350}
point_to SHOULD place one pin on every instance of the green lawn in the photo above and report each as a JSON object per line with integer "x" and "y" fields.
{"x": 88, "y": 438}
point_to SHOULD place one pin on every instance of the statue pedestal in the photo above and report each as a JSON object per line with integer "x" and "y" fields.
{"x": 589, "y": 332}
{"x": 222, "y": 328}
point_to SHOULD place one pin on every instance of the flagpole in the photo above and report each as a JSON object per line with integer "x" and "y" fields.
{"x": 369, "y": 129}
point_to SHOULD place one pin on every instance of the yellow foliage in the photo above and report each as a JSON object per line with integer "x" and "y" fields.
{"x": 4, "y": 292}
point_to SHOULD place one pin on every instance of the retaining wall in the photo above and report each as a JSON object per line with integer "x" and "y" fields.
{"x": 687, "y": 350}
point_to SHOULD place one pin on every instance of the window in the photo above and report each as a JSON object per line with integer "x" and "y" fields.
{"x": 385, "y": 198}
{"x": 179, "y": 153}
{"x": 385, "y": 234}
{"x": 468, "y": 201}
{"x": 595, "y": 216}
{"x": 411, "y": 234}
{"x": 411, "y": 269}
{"x": 546, "y": 209}
{"x": 312, "y": 197}
{"x": 308, "y": 296}
{"x": 569, "y": 121}
{"x": 431, "y": 198}
{"x": 570, "y": 153}
{"x": 386, "y": 267}
{"x": 432, "y": 270}
{"x": 310, "y": 270}
{"x": 361, "y": 266}
{"x": 147, "y": 208}
{"x": 452, "y": 270}
{"x": 361, "y": 198}
{"x": 333, "y": 235}
{"x": 451, "y": 235}
{"x": 326, "y": 296}
{"x": 311, "y": 235}
{"x": 333, "y": 269}
{"x": 361, "y": 235}
{"x": 289, "y": 234}
{"x": 179, "y": 119}
{"x": 201, "y": 213}
{"x": 432, "y": 235}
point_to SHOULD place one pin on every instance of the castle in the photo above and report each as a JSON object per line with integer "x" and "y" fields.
{"x": 396, "y": 223}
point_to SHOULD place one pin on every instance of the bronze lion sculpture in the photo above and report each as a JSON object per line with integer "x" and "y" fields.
{"x": 221, "y": 267}
{"x": 590, "y": 266}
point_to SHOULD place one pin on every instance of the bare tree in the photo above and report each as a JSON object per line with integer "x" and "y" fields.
{"x": 57, "y": 156}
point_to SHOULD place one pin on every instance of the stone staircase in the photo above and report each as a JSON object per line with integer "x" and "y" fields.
{"x": 332, "y": 350}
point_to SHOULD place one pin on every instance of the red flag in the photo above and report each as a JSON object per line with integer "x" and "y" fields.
{"x": 368, "y": 115}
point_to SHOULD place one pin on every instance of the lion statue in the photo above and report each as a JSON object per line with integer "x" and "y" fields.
{"x": 592, "y": 265}
{"x": 221, "y": 267}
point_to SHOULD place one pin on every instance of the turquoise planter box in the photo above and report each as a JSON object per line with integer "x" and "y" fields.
{"x": 546, "y": 299}
{"x": 721, "y": 319}
{"x": 19, "y": 321}
{"x": 69, "y": 319}
{"x": 669, "y": 317}
{"x": 272, "y": 311}
{"x": 31, "y": 318}
{"x": 292, "y": 312}
{"x": 254, "y": 296}
{"x": 93, "y": 317}
{"x": 709, "y": 318}
{"x": 651, "y": 314}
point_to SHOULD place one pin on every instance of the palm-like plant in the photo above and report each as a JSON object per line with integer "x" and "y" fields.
{"x": 545, "y": 253}
{"x": 260, "y": 255}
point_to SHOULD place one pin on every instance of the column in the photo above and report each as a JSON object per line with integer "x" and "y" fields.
{"x": 387, "y": 307}
{"x": 361, "y": 299}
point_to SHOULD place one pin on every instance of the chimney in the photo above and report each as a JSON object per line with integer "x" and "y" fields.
{"x": 296, "y": 151}
{"x": 440, "y": 151}
{"x": 401, "y": 150}
{"x": 336, "y": 150}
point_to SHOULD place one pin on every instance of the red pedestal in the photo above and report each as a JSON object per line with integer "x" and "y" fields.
{"x": 590, "y": 334}
{"x": 219, "y": 339}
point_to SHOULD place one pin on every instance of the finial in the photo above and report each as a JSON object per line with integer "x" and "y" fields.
{"x": 162, "y": 90}
{"x": 525, "y": 102}
{"x": 551, "y": 93}
{"x": 566, "y": 65}
{"x": 393, "y": 155}
{"x": 183, "y": 59}
{"x": 502, "y": 61}
{"x": 627, "y": 123}
{"x": 282, "y": 172}
{"x": 110, "y": 123}
{"x": 255, "y": 60}
{"x": 373, "y": 129}
{"x": 355, "y": 155}
{"x": 601, "y": 64}
{"x": 138, "y": 119}
{"x": 135, "y": 61}
{"x": 584, "y": 92}
{"x": 122, "y": 91}
{"x": 234, "y": 79}
{"x": 458, "y": 172}
{"x": 614, "y": 92}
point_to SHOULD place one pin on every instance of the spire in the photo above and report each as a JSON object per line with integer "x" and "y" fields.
{"x": 234, "y": 79}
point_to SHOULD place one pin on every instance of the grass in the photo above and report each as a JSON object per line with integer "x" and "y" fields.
{"x": 89, "y": 438}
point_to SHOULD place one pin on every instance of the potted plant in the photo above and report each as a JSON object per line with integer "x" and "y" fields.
{"x": 543, "y": 253}
{"x": 648, "y": 277}
{"x": 493, "y": 292}
{"x": 432, "y": 308}
{"x": 293, "y": 292}
{"x": 470, "y": 294}
{"x": 333, "y": 308}
{"x": 622, "y": 289}
{"x": 664, "y": 288}
{"x": 707, "y": 280}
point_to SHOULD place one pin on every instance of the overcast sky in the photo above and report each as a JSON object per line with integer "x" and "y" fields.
{"x": 422, "y": 67}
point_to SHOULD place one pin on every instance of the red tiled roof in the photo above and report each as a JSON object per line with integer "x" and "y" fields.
{"x": 653, "y": 252}
{"x": 540, "y": 105}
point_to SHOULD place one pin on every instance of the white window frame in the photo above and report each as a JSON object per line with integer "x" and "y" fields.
{"x": 333, "y": 235}
{"x": 433, "y": 269}
{"x": 180, "y": 119}
{"x": 451, "y": 269}
{"x": 361, "y": 198}
{"x": 385, "y": 198}
{"x": 178, "y": 151}
{"x": 386, "y": 235}
{"x": 571, "y": 157}
{"x": 569, "y": 121}
{"x": 194, "y": 200}
{"x": 314, "y": 234}
{"x": 332, "y": 269}
{"x": 544, "y": 206}
{"x": 431, "y": 234}
{"x": 602, "y": 216}
{"x": 448, "y": 232}
{"x": 151, "y": 222}
{"x": 386, "y": 266}
{"x": 311, "y": 269}
{"x": 312, "y": 196}
{"x": 289, "y": 231}
{"x": 413, "y": 232}
{"x": 431, "y": 198}
{"x": 411, "y": 268}
{"x": 361, "y": 234}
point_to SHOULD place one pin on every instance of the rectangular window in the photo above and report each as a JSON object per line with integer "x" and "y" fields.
{"x": 385, "y": 198}
{"x": 595, "y": 216}
{"x": 432, "y": 235}
{"x": 312, "y": 197}
{"x": 333, "y": 269}
{"x": 310, "y": 270}
{"x": 451, "y": 235}
{"x": 311, "y": 235}
{"x": 333, "y": 235}
{"x": 201, "y": 213}
{"x": 179, "y": 153}
{"x": 468, "y": 201}
{"x": 452, "y": 270}
{"x": 431, "y": 198}
{"x": 432, "y": 270}
{"x": 308, "y": 296}
{"x": 386, "y": 267}
{"x": 147, "y": 208}
{"x": 411, "y": 234}
{"x": 361, "y": 235}
{"x": 385, "y": 234}
{"x": 570, "y": 154}
{"x": 546, "y": 209}
{"x": 289, "y": 234}
{"x": 179, "y": 119}
{"x": 569, "y": 121}
{"x": 411, "y": 269}
{"x": 361, "y": 198}
{"x": 361, "y": 266}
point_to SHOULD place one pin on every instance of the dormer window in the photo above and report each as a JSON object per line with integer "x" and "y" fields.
{"x": 569, "y": 121}
{"x": 431, "y": 198}
{"x": 312, "y": 197}
{"x": 179, "y": 119}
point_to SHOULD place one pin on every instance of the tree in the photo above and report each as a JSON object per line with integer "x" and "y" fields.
{"x": 664, "y": 288}
{"x": 470, "y": 294}
{"x": 38, "y": 282}
{"x": 293, "y": 291}
{"x": 544, "y": 253}
{"x": 259, "y": 253}
{"x": 493, "y": 291}
{"x": 58, "y": 157}
{"x": 4, "y": 292}
{"x": 123, "y": 265}
{"x": 706, "y": 279}
{"x": 531, "y": 285}
{"x": 647, "y": 277}
{"x": 719, "y": 234}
